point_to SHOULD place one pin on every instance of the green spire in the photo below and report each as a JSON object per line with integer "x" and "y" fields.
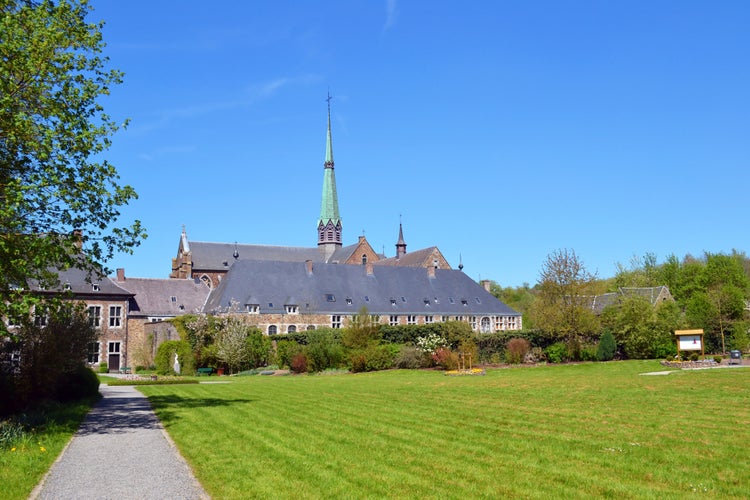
{"x": 329, "y": 224}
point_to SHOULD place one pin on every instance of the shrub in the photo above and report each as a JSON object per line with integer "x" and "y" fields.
{"x": 258, "y": 348}
{"x": 694, "y": 356}
{"x": 165, "y": 357}
{"x": 445, "y": 358}
{"x": 410, "y": 357}
{"x": 299, "y": 363}
{"x": 717, "y": 359}
{"x": 103, "y": 368}
{"x": 373, "y": 358}
{"x": 285, "y": 352}
{"x": 516, "y": 350}
{"x": 607, "y": 347}
{"x": 323, "y": 351}
{"x": 557, "y": 353}
{"x": 78, "y": 384}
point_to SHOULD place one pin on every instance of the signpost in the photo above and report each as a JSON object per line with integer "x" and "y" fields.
{"x": 689, "y": 340}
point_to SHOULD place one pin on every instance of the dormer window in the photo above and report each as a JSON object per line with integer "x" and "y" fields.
{"x": 426, "y": 302}
{"x": 393, "y": 301}
{"x": 252, "y": 308}
{"x": 95, "y": 287}
{"x": 66, "y": 287}
{"x": 367, "y": 298}
{"x": 476, "y": 299}
{"x": 330, "y": 297}
{"x": 291, "y": 308}
{"x": 348, "y": 301}
{"x": 173, "y": 298}
{"x": 450, "y": 299}
{"x": 464, "y": 302}
{"x": 403, "y": 299}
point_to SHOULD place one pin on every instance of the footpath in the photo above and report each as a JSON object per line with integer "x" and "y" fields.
{"x": 121, "y": 451}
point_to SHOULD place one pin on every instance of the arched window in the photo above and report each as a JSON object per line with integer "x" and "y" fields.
{"x": 364, "y": 259}
{"x": 291, "y": 329}
{"x": 311, "y": 327}
{"x": 272, "y": 330}
{"x": 207, "y": 281}
{"x": 485, "y": 325}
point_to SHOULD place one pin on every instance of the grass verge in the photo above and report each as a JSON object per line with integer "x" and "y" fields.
{"x": 590, "y": 430}
{"x": 30, "y": 443}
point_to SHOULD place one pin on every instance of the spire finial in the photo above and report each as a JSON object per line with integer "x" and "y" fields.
{"x": 460, "y": 262}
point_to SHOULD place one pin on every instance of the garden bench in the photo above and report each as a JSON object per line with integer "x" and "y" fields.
{"x": 124, "y": 369}
{"x": 206, "y": 371}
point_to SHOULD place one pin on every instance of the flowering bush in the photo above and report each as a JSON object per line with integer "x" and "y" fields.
{"x": 430, "y": 343}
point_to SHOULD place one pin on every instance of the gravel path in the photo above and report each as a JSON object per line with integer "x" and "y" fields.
{"x": 120, "y": 452}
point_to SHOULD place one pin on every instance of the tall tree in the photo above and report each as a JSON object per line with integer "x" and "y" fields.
{"x": 563, "y": 307}
{"x": 59, "y": 200}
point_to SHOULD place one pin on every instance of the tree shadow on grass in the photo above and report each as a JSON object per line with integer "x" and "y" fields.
{"x": 125, "y": 410}
{"x": 166, "y": 406}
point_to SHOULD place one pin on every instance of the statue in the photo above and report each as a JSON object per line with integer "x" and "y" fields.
{"x": 176, "y": 365}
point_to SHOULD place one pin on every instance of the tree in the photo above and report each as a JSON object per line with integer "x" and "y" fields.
{"x": 59, "y": 201}
{"x": 231, "y": 346}
{"x": 607, "y": 347}
{"x": 563, "y": 305}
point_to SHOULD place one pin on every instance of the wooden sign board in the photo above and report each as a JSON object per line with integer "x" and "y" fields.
{"x": 689, "y": 340}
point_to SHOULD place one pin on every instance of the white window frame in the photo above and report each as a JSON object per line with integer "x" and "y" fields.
{"x": 115, "y": 320}
{"x": 95, "y": 320}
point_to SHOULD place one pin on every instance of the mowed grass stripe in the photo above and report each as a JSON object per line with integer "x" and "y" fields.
{"x": 589, "y": 430}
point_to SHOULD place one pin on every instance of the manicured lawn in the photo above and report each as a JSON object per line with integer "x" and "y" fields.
{"x": 25, "y": 459}
{"x": 589, "y": 430}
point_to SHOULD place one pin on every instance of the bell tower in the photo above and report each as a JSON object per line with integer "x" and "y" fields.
{"x": 329, "y": 223}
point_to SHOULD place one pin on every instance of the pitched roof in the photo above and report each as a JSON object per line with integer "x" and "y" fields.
{"x": 82, "y": 282}
{"x": 345, "y": 289}
{"x": 154, "y": 297}
{"x": 220, "y": 256}
{"x": 416, "y": 258}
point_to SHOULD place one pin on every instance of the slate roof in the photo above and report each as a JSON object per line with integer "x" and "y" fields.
{"x": 81, "y": 283}
{"x": 652, "y": 294}
{"x": 220, "y": 256}
{"x": 417, "y": 258}
{"x": 153, "y": 297}
{"x": 345, "y": 289}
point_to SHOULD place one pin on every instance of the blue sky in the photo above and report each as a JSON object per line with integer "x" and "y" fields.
{"x": 496, "y": 131}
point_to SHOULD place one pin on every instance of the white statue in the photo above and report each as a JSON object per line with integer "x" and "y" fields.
{"x": 176, "y": 365}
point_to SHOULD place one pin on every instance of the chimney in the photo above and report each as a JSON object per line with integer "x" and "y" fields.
{"x": 430, "y": 272}
{"x": 361, "y": 239}
{"x": 120, "y": 274}
{"x": 485, "y": 284}
{"x": 308, "y": 266}
{"x": 368, "y": 268}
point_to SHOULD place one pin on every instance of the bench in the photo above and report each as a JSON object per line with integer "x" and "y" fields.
{"x": 124, "y": 369}
{"x": 205, "y": 371}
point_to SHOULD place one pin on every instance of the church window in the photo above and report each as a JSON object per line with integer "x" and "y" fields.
{"x": 291, "y": 329}
{"x": 272, "y": 330}
{"x": 393, "y": 320}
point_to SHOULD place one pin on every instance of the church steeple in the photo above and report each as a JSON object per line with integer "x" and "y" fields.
{"x": 400, "y": 244}
{"x": 329, "y": 224}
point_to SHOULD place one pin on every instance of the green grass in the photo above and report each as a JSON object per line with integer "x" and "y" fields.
{"x": 589, "y": 430}
{"x": 44, "y": 432}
